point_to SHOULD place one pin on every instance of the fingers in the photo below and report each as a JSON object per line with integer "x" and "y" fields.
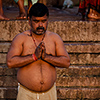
{"x": 43, "y": 51}
{"x": 40, "y": 50}
{"x": 41, "y": 44}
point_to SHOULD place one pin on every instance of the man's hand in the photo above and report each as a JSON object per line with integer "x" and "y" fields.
{"x": 43, "y": 51}
{"x": 38, "y": 51}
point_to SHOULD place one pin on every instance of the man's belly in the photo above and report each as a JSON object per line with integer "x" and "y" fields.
{"x": 39, "y": 76}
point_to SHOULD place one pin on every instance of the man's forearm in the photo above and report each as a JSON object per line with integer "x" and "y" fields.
{"x": 19, "y": 61}
{"x": 58, "y": 61}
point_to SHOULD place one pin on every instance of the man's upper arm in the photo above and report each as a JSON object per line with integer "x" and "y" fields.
{"x": 15, "y": 48}
{"x": 60, "y": 48}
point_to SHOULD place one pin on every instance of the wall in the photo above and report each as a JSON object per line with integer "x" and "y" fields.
{"x": 82, "y": 41}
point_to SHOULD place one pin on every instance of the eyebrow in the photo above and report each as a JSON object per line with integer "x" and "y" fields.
{"x": 39, "y": 20}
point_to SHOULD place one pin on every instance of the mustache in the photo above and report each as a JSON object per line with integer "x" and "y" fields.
{"x": 40, "y": 28}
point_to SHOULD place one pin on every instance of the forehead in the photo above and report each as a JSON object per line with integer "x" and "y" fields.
{"x": 39, "y": 18}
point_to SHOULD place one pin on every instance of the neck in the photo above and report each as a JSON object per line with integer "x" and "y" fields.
{"x": 37, "y": 37}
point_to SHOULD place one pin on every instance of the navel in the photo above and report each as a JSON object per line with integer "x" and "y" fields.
{"x": 41, "y": 88}
{"x": 41, "y": 82}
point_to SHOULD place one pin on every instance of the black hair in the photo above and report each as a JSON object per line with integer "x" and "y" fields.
{"x": 38, "y": 10}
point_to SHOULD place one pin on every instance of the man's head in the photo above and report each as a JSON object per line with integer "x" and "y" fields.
{"x": 38, "y": 10}
{"x": 38, "y": 21}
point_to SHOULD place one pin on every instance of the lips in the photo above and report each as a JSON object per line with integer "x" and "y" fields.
{"x": 40, "y": 30}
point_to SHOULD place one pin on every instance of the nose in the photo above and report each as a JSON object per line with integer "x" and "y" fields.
{"x": 40, "y": 24}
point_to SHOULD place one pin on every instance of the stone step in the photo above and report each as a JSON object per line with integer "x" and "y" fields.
{"x": 82, "y": 47}
{"x": 78, "y": 81}
{"x": 72, "y": 71}
{"x": 5, "y": 71}
{"x": 62, "y": 93}
{"x": 68, "y": 30}
{"x": 7, "y": 92}
{"x": 2, "y": 58}
{"x": 4, "y": 47}
{"x": 78, "y": 93}
{"x": 85, "y": 59}
{"x": 76, "y": 30}
{"x": 72, "y": 77}
{"x": 8, "y": 81}
{"x": 75, "y": 71}
{"x": 11, "y": 81}
{"x": 79, "y": 53}
{"x": 70, "y": 47}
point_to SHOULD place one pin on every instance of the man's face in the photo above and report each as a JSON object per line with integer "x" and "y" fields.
{"x": 39, "y": 24}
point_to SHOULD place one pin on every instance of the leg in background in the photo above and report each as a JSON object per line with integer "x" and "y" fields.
{"x": 22, "y": 12}
{"x": 2, "y": 16}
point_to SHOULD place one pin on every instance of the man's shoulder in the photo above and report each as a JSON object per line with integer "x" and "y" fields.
{"x": 52, "y": 33}
{"x": 22, "y": 35}
{"x": 54, "y": 36}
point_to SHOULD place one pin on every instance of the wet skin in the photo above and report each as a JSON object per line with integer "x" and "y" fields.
{"x": 37, "y": 75}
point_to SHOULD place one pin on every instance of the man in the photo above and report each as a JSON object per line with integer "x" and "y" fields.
{"x": 36, "y": 52}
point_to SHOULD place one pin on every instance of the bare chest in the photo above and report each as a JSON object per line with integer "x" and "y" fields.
{"x": 29, "y": 46}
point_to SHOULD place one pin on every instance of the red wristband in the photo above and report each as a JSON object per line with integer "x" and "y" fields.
{"x": 34, "y": 57}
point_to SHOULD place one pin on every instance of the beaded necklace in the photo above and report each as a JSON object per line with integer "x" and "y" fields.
{"x": 34, "y": 38}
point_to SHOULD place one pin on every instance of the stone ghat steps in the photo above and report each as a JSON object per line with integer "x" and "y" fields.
{"x": 78, "y": 93}
{"x": 86, "y": 59}
{"x": 72, "y": 77}
{"x": 80, "y": 53}
{"x": 76, "y": 47}
{"x": 72, "y": 82}
{"x": 81, "y": 81}
{"x": 68, "y": 30}
{"x": 78, "y": 70}
{"x": 75, "y": 82}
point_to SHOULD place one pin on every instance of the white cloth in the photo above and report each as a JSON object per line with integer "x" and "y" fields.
{"x": 67, "y": 3}
{"x": 33, "y": 2}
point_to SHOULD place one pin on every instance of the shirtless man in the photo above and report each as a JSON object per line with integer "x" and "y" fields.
{"x": 37, "y": 52}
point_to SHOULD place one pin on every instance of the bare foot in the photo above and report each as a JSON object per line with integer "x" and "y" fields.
{"x": 22, "y": 16}
{"x": 94, "y": 14}
{"x": 3, "y": 17}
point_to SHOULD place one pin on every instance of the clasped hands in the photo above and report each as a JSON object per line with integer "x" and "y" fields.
{"x": 40, "y": 51}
